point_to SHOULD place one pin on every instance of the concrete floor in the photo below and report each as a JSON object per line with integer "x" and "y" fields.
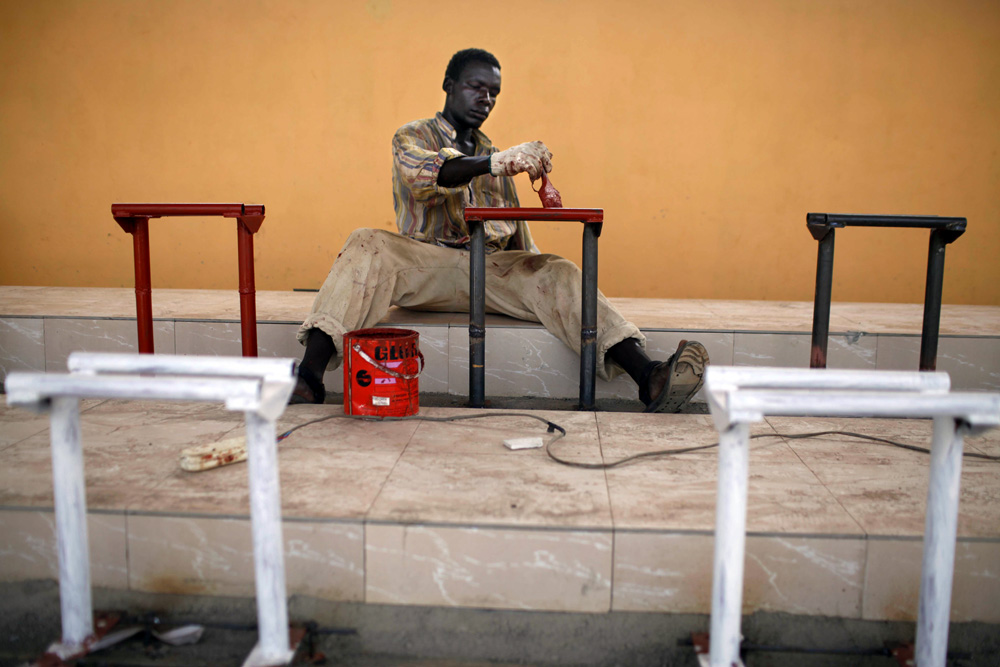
{"x": 358, "y": 635}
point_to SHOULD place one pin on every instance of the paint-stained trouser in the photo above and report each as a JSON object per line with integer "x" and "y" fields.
{"x": 378, "y": 269}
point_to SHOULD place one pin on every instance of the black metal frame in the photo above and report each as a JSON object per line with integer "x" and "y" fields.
{"x": 592, "y": 220}
{"x": 943, "y": 232}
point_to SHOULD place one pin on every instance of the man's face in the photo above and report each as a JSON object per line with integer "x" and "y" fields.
{"x": 473, "y": 95}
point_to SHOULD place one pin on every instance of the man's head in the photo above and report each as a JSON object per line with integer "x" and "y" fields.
{"x": 472, "y": 82}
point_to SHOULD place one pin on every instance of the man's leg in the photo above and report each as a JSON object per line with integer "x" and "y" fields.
{"x": 664, "y": 386}
{"x": 375, "y": 270}
{"x": 548, "y": 289}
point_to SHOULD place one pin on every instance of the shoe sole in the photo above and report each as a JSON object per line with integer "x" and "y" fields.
{"x": 687, "y": 372}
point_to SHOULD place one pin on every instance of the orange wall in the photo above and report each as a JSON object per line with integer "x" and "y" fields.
{"x": 706, "y": 130}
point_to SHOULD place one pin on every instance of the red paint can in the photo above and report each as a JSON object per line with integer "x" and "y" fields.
{"x": 381, "y": 370}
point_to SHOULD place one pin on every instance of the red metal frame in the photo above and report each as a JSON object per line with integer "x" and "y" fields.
{"x": 134, "y": 219}
{"x": 536, "y": 214}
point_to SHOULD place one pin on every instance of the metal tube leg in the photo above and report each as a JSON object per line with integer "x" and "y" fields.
{"x": 730, "y": 546}
{"x": 477, "y": 315}
{"x": 143, "y": 285}
{"x": 932, "y": 301}
{"x": 71, "y": 522}
{"x": 940, "y": 530}
{"x": 268, "y": 545}
{"x": 248, "y": 293}
{"x": 821, "y": 304}
{"x": 588, "y": 319}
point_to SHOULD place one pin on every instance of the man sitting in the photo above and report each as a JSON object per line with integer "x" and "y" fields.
{"x": 441, "y": 165}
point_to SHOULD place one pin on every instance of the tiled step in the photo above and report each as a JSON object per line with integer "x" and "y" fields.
{"x": 438, "y": 514}
{"x": 40, "y": 326}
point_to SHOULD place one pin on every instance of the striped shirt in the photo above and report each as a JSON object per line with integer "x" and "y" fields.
{"x": 434, "y": 214}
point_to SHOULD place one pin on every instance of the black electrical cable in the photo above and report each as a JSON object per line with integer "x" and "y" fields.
{"x": 790, "y": 436}
{"x": 553, "y": 427}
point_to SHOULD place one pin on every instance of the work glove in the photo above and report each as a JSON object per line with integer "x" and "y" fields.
{"x": 532, "y": 157}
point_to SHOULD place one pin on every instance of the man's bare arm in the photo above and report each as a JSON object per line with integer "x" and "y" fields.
{"x": 460, "y": 170}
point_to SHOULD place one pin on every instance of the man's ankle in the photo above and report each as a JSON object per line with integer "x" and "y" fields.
{"x": 632, "y": 357}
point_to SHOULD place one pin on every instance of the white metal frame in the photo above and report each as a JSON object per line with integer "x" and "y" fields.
{"x": 739, "y": 396}
{"x": 258, "y": 387}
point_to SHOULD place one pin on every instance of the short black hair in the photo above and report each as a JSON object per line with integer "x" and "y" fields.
{"x": 464, "y": 57}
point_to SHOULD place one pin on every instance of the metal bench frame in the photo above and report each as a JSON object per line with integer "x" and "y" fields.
{"x": 258, "y": 387}
{"x": 943, "y": 232}
{"x": 592, "y": 219}
{"x": 134, "y": 219}
{"x": 739, "y": 396}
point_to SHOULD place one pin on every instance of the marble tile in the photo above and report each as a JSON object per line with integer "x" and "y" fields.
{"x": 63, "y": 336}
{"x": 491, "y": 568}
{"x": 892, "y": 582}
{"x": 224, "y": 490}
{"x": 493, "y": 321}
{"x": 891, "y": 499}
{"x": 339, "y": 485}
{"x": 669, "y": 572}
{"x": 519, "y": 362}
{"x": 17, "y": 423}
{"x": 190, "y": 556}
{"x": 128, "y": 447}
{"x": 836, "y": 448}
{"x": 908, "y": 318}
{"x": 662, "y": 572}
{"x": 766, "y": 315}
{"x": 483, "y": 432}
{"x": 333, "y": 468}
{"x": 776, "y": 316}
{"x": 985, "y": 443}
{"x": 68, "y": 301}
{"x": 418, "y": 319}
{"x": 885, "y": 487}
{"x": 680, "y": 494}
{"x": 208, "y": 338}
{"x": 290, "y": 307}
{"x": 972, "y": 363}
{"x": 899, "y": 353}
{"x": 22, "y": 345}
{"x": 214, "y": 556}
{"x": 326, "y": 428}
{"x": 196, "y": 304}
{"x": 690, "y": 314}
{"x": 325, "y": 560}
{"x": 683, "y": 314}
{"x": 793, "y": 350}
{"x": 517, "y": 488}
{"x": 277, "y": 340}
{"x": 627, "y": 434}
{"x": 28, "y": 548}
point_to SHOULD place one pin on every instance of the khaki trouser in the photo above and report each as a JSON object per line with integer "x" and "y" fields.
{"x": 378, "y": 269}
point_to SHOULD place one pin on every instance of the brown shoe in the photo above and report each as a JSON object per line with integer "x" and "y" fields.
{"x": 674, "y": 382}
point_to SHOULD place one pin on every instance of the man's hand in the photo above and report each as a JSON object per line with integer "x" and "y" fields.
{"x": 532, "y": 157}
